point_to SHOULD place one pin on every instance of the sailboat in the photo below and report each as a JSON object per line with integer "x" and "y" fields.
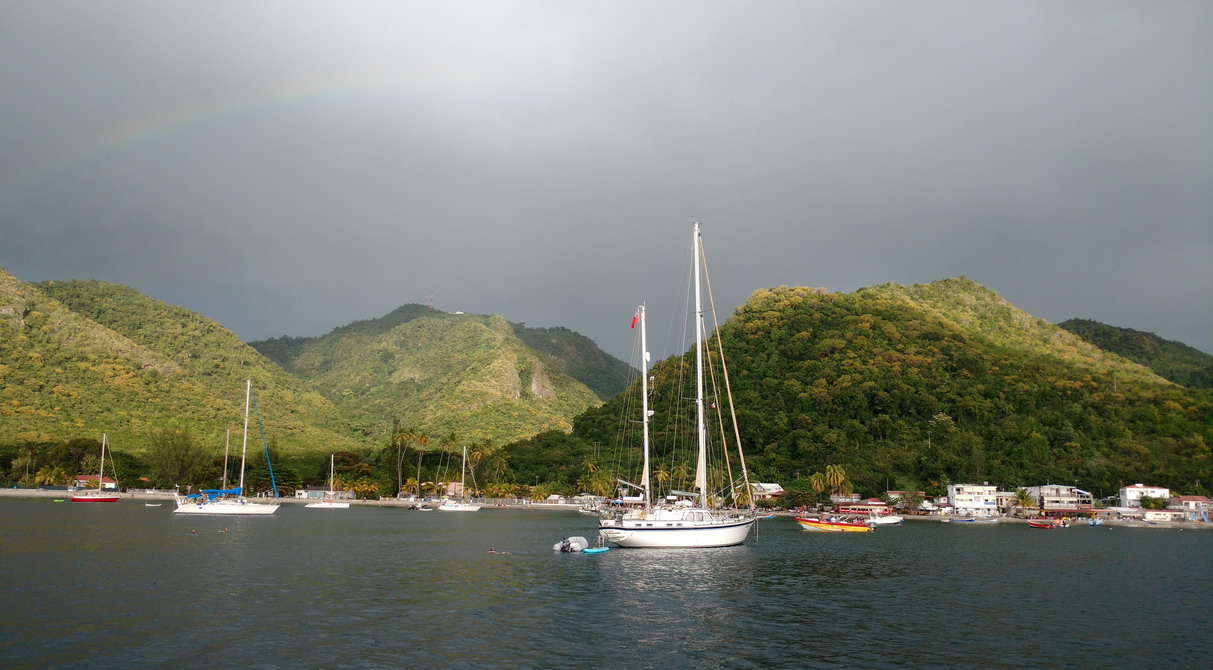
{"x": 227, "y": 501}
{"x": 463, "y": 504}
{"x": 687, "y": 520}
{"x": 99, "y": 494}
{"x": 328, "y": 502}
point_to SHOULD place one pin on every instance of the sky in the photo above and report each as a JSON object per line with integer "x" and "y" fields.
{"x": 287, "y": 167}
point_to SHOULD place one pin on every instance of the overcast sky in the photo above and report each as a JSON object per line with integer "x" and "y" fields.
{"x": 289, "y": 167}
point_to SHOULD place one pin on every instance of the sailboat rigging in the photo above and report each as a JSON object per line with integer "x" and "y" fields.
{"x": 100, "y": 494}
{"x": 229, "y": 501}
{"x": 328, "y": 502}
{"x": 464, "y": 504}
{"x": 678, "y": 521}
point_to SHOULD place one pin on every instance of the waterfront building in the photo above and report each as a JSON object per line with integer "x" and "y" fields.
{"x": 1059, "y": 499}
{"x": 1194, "y": 508}
{"x": 1130, "y": 496}
{"x": 318, "y": 494}
{"x": 766, "y": 491}
{"x": 973, "y": 499}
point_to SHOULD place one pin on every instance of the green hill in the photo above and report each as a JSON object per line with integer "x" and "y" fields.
{"x": 935, "y": 383}
{"x": 81, "y": 358}
{"x": 1173, "y": 360}
{"x": 462, "y": 374}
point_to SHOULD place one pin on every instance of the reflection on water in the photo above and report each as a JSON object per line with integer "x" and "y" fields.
{"x": 85, "y": 585}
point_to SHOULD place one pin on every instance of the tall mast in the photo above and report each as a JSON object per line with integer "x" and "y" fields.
{"x": 463, "y": 474}
{"x": 644, "y": 404}
{"x": 101, "y": 475}
{"x": 248, "y": 392}
{"x": 227, "y": 441}
{"x": 701, "y": 465}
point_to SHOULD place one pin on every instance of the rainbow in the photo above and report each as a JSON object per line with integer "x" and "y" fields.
{"x": 206, "y": 114}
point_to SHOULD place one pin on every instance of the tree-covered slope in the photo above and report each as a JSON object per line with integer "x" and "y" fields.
{"x": 1173, "y": 360}
{"x": 460, "y": 374}
{"x": 578, "y": 356}
{"x": 81, "y": 358}
{"x": 942, "y": 382}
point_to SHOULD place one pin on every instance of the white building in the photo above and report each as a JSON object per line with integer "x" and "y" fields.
{"x": 973, "y": 499}
{"x": 1061, "y": 498}
{"x": 1130, "y": 496}
{"x": 765, "y": 490}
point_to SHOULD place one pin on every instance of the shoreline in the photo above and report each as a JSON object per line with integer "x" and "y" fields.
{"x": 162, "y": 496}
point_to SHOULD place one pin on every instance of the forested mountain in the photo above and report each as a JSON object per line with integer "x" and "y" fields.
{"x": 923, "y": 385}
{"x": 1173, "y": 360}
{"x": 81, "y": 358}
{"x": 465, "y": 375}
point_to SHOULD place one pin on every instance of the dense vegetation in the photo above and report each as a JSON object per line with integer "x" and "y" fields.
{"x": 465, "y": 374}
{"x": 913, "y": 387}
{"x": 901, "y": 387}
{"x": 1172, "y": 360}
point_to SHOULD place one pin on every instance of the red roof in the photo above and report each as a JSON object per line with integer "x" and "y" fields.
{"x": 93, "y": 478}
{"x": 1192, "y": 499}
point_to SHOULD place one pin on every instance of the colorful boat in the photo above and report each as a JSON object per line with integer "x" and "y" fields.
{"x": 1045, "y": 523}
{"x": 835, "y": 524}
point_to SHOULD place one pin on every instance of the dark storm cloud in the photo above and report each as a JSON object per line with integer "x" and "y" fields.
{"x": 285, "y": 168}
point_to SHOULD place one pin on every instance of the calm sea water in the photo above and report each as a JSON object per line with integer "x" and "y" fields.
{"x": 130, "y": 586}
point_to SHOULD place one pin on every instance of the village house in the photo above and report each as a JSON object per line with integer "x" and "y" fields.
{"x": 1058, "y": 499}
{"x": 867, "y": 506}
{"x": 1130, "y": 496}
{"x": 90, "y": 482}
{"x": 766, "y": 491}
{"x": 973, "y": 499}
{"x": 1194, "y": 508}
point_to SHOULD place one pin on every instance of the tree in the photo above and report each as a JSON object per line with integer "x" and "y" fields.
{"x": 817, "y": 482}
{"x": 909, "y": 500}
{"x": 52, "y": 475}
{"x": 1023, "y": 499}
{"x": 175, "y": 459}
{"x": 836, "y": 477}
{"x": 1150, "y": 502}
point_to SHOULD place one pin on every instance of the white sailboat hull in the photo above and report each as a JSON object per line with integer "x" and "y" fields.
{"x": 459, "y": 507}
{"x": 328, "y": 504}
{"x": 653, "y": 534}
{"x": 225, "y": 507}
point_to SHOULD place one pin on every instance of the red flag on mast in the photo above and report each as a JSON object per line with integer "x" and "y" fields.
{"x": 635, "y": 318}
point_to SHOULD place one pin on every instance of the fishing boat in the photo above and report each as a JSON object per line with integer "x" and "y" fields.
{"x": 99, "y": 494}
{"x": 1045, "y": 523}
{"x": 684, "y": 519}
{"x": 835, "y": 524}
{"x": 464, "y": 504}
{"x": 328, "y": 502}
{"x": 230, "y": 501}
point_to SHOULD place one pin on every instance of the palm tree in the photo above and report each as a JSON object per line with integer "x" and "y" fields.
{"x": 398, "y": 446}
{"x": 52, "y": 475}
{"x": 817, "y": 482}
{"x": 1023, "y": 499}
{"x": 680, "y": 474}
{"x": 836, "y": 477}
{"x": 661, "y": 475}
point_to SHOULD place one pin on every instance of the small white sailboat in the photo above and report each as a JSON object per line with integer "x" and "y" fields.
{"x": 328, "y": 502}
{"x": 99, "y": 494}
{"x": 464, "y": 504}
{"x": 227, "y": 501}
{"x": 678, "y": 523}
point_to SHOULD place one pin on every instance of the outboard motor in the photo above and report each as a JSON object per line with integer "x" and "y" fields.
{"x": 571, "y": 545}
